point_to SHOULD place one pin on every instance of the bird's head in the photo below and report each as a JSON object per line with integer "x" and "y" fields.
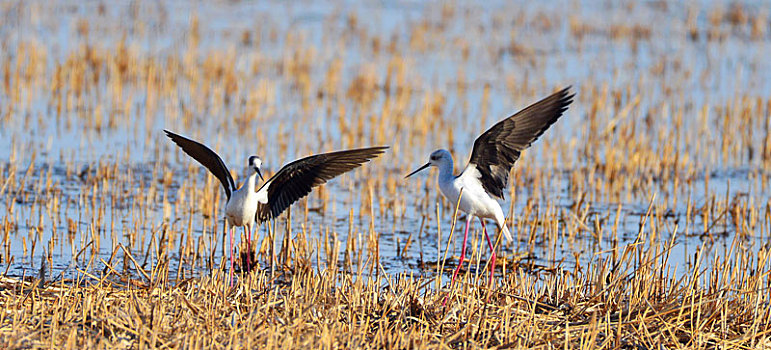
{"x": 255, "y": 162}
{"x": 437, "y": 159}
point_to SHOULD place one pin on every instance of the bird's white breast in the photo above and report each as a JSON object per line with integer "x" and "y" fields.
{"x": 242, "y": 206}
{"x": 475, "y": 199}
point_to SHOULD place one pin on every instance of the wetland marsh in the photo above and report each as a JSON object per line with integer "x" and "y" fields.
{"x": 641, "y": 219}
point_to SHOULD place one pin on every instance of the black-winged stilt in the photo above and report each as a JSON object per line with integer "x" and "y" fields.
{"x": 248, "y": 205}
{"x": 487, "y": 173}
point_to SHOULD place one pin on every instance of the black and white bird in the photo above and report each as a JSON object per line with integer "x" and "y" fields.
{"x": 248, "y": 205}
{"x": 487, "y": 173}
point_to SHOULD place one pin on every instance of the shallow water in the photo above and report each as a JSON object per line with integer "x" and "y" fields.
{"x": 465, "y": 66}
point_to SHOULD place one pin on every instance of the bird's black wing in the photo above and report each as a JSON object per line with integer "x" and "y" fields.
{"x": 207, "y": 158}
{"x": 296, "y": 179}
{"x": 496, "y": 150}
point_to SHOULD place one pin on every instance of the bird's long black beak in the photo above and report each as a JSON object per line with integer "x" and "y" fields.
{"x": 419, "y": 169}
{"x": 259, "y": 173}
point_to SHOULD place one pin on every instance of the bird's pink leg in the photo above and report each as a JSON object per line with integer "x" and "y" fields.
{"x": 247, "y": 235}
{"x": 231, "y": 256}
{"x": 489, "y": 244}
{"x": 462, "y": 255}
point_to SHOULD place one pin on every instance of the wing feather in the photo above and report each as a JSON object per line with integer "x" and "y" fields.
{"x": 296, "y": 179}
{"x": 206, "y": 157}
{"x": 498, "y": 148}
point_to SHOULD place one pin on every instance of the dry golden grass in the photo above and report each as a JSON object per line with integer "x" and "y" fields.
{"x": 633, "y": 302}
{"x": 641, "y": 218}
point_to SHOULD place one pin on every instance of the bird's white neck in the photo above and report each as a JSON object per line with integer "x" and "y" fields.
{"x": 445, "y": 171}
{"x": 251, "y": 181}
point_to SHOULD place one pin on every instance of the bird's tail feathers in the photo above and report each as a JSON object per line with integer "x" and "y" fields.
{"x": 506, "y": 233}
